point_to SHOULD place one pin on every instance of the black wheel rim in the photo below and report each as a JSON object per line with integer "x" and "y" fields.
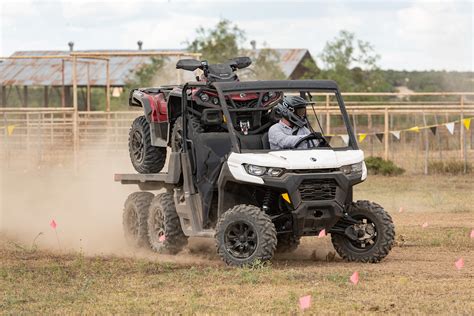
{"x": 138, "y": 148}
{"x": 366, "y": 232}
{"x": 240, "y": 239}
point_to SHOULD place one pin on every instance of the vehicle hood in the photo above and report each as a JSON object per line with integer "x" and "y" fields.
{"x": 299, "y": 159}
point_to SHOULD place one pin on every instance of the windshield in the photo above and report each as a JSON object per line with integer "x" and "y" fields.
{"x": 288, "y": 120}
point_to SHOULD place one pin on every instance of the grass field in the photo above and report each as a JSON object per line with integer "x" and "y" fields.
{"x": 418, "y": 276}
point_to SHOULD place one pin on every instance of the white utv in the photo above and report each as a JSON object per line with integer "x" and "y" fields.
{"x": 224, "y": 181}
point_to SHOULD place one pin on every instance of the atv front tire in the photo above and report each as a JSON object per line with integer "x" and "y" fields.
{"x": 145, "y": 157}
{"x": 135, "y": 218}
{"x": 377, "y": 229}
{"x": 164, "y": 229}
{"x": 245, "y": 234}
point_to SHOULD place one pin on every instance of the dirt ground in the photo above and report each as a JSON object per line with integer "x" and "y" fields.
{"x": 84, "y": 266}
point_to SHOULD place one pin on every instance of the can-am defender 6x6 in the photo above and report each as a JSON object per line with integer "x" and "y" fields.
{"x": 224, "y": 181}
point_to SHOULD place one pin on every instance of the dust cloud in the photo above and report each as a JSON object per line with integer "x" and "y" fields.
{"x": 87, "y": 206}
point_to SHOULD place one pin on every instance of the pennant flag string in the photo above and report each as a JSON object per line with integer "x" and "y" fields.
{"x": 379, "y": 136}
{"x": 450, "y": 127}
{"x": 467, "y": 123}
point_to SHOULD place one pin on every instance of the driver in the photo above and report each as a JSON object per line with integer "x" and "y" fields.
{"x": 292, "y": 125}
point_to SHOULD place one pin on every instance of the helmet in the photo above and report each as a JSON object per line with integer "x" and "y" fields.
{"x": 288, "y": 107}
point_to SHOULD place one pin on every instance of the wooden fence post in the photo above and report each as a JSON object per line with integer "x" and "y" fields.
{"x": 75, "y": 131}
{"x": 426, "y": 145}
{"x": 328, "y": 116}
{"x": 463, "y": 137}
{"x": 107, "y": 88}
{"x": 386, "y": 134}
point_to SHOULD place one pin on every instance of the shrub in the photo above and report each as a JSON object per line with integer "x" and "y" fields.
{"x": 448, "y": 167}
{"x": 377, "y": 165}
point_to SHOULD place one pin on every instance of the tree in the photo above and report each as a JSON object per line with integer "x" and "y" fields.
{"x": 224, "y": 42}
{"x": 218, "y": 44}
{"x": 353, "y": 64}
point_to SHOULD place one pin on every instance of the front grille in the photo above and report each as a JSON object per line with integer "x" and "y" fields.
{"x": 327, "y": 170}
{"x": 317, "y": 189}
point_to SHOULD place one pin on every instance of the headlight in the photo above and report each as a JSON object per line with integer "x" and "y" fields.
{"x": 275, "y": 172}
{"x": 354, "y": 169}
{"x": 260, "y": 171}
{"x": 204, "y": 97}
{"x": 215, "y": 101}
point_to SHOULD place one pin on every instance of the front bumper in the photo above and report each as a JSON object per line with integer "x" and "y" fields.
{"x": 333, "y": 192}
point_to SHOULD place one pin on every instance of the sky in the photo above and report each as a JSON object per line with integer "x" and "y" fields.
{"x": 408, "y": 35}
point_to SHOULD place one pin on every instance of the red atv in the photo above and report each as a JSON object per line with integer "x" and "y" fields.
{"x": 160, "y": 126}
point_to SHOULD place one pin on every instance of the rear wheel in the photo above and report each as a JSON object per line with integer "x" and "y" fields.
{"x": 135, "y": 216}
{"x": 245, "y": 234}
{"x": 177, "y": 132}
{"x": 164, "y": 229}
{"x": 371, "y": 239}
{"x": 145, "y": 157}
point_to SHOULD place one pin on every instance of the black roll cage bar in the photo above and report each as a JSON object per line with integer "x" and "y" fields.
{"x": 224, "y": 88}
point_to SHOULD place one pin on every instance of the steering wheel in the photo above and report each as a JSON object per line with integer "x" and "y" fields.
{"x": 315, "y": 135}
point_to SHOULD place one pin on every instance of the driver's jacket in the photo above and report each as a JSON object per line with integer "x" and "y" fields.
{"x": 281, "y": 136}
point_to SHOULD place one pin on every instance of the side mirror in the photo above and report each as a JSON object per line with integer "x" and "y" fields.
{"x": 188, "y": 64}
{"x": 241, "y": 62}
{"x": 212, "y": 117}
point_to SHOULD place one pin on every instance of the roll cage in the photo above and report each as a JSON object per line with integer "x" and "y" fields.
{"x": 302, "y": 86}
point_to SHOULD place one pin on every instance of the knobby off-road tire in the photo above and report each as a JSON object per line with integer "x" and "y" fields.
{"x": 164, "y": 221}
{"x": 145, "y": 157}
{"x": 135, "y": 218}
{"x": 245, "y": 224}
{"x": 383, "y": 224}
{"x": 287, "y": 243}
{"x": 177, "y": 132}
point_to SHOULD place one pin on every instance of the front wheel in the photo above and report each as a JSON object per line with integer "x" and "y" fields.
{"x": 371, "y": 239}
{"x": 244, "y": 235}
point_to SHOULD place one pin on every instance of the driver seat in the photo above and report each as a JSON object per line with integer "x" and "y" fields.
{"x": 265, "y": 141}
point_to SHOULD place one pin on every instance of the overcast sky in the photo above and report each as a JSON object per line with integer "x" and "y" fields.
{"x": 411, "y": 35}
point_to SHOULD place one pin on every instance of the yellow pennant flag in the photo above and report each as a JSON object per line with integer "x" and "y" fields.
{"x": 10, "y": 129}
{"x": 362, "y": 137}
{"x": 414, "y": 129}
{"x": 467, "y": 123}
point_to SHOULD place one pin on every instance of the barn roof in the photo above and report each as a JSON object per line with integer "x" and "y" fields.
{"x": 48, "y": 72}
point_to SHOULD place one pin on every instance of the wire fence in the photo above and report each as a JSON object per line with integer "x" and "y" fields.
{"x": 411, "y": 133}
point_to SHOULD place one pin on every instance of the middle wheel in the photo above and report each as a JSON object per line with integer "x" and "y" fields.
{"x": 164, "y": 229}
{"x": 245, "y": 234}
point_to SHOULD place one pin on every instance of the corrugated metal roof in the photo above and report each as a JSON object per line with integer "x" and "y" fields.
{"x": 47, "y": 72}
{"x": 290, "y": 59}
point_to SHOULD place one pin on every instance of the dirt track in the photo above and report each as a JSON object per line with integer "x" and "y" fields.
{"x": 418, "y": 276}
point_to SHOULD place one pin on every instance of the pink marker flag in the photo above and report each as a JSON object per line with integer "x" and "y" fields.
{"x": 305, "y": 302}
{"x": 472, "y": 233}
{"x": 459, "y": 264}
{"x": 162, "y": 238}
{"x": 53, "y": 224}
{"x": 425, "y": 224}
{"x": 400, "y": 210}
{"x": 355, "y": 278}
{"x": 322, "y": 233}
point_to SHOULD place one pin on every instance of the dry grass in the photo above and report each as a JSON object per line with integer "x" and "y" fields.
{"x": 417, "y": 277}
